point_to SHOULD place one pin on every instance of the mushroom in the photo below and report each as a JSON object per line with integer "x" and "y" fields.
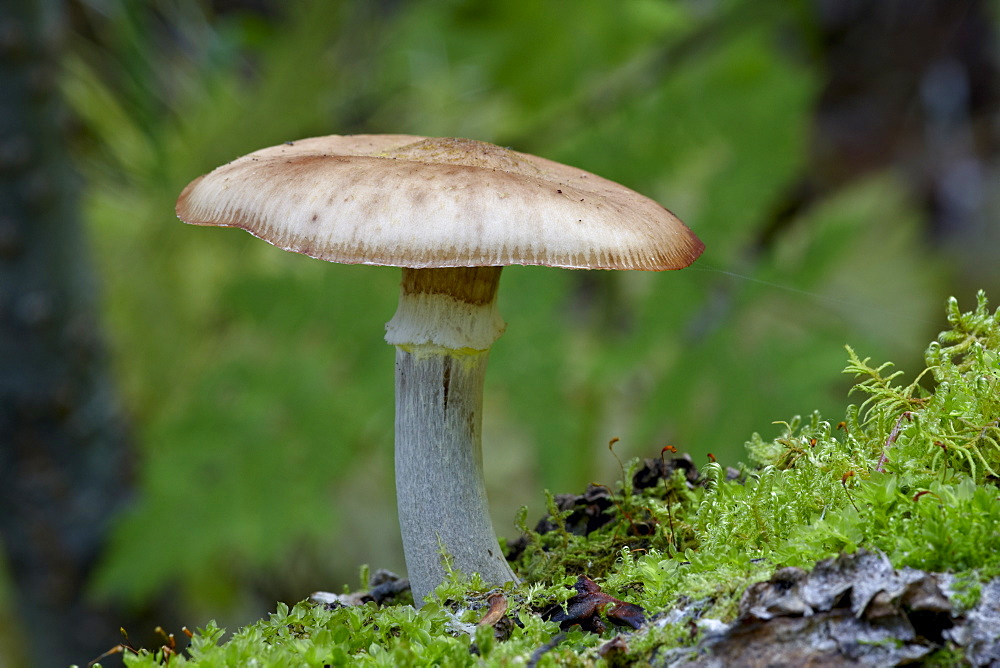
{"x": 451, "y": 213}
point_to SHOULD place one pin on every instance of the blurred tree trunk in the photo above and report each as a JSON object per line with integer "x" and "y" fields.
{"x": 914, "y": 86}
{"x": 63, "y": 444}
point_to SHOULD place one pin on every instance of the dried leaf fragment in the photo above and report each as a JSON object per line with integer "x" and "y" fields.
{"x": 498, "y": 607}
{"x": 586, "y": 607}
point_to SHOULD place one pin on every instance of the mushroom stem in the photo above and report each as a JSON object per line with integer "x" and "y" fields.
{"x": 443, "y": 329}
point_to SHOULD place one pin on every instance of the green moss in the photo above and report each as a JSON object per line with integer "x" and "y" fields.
{"x": 911, "y": 472}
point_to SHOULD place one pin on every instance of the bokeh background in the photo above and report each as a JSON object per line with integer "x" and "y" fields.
{"x": 194, "y": 425}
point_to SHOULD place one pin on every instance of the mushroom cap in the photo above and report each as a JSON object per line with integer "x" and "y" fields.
{"x": 418, "y": 202}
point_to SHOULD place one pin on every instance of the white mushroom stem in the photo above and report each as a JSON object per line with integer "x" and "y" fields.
{"x": 443, "y": 329}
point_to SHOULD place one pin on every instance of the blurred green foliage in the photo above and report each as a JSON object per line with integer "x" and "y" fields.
{"x": 258, "y": 380}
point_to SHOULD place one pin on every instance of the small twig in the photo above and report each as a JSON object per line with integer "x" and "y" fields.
{"x": 893, "y": 435}
{"x": 547, "y": 647}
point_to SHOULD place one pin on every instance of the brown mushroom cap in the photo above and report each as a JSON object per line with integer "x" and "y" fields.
{"x": 419, "y": 202}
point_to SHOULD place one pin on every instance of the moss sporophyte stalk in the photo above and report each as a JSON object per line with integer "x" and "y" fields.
{"x": 880, "y": 526}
